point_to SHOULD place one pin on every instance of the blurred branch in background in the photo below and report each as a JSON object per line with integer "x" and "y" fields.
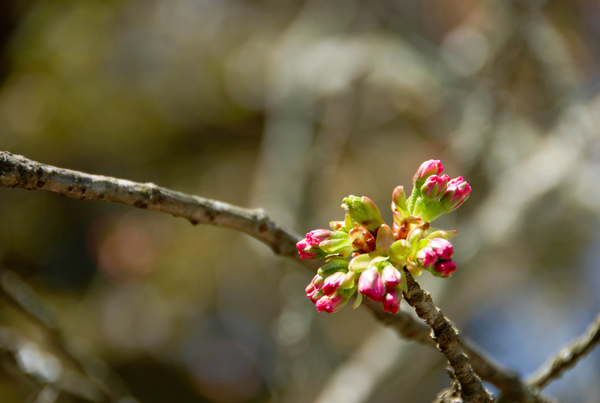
{"x": 567, "y": 357}
{"x": 63, "y": 373}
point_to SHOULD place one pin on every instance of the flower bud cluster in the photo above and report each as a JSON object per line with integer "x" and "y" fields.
{"x": 364, "y": 254}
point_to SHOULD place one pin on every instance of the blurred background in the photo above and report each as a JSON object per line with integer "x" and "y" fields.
{"x": 291, "y": 106}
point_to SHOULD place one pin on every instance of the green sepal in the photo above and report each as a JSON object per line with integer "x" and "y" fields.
{"x": 332, "y": 265}
{"x": 357, "y": 302}
{"x": 438, "y": 233}
{"x": 399, "y": 201}
{"x": 363, "y": 211}
{"x": 403, "y": 284}
{"x": 360, "y": 263}
{"x": 337, "y": 243}
{"x": 385, "y": 239}
{"x": 399, "y": 251}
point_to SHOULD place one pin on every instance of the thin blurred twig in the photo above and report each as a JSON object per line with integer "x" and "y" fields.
{"x": 19, "y": 295}
{"x": 568, "y": 356}
{"x": 20, "y": 172}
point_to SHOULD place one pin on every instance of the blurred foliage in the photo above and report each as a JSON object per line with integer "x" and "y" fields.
{"x": 290, "y": 106}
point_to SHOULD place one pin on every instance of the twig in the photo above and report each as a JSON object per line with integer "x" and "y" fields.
{"x": 18, "y": 171}
{"x": 19, "y": 295}
{"x": 447, "y": 342}
{"x": 567, "y": 357}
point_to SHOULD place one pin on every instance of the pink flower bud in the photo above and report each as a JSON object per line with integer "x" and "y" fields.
{"x": 314, "y": 238}
{"x": 306, "y": 251}
{"x": 391, "y": 277}
{"x": 428, "y": 168}
{"x": 314, "y": 290}
{"x": 371, "y": 285}
{"x": 442, "y": 247}
{"x": 445, "y": 267}
{"x": 457, "y": 191}
{"x": 434, "y": 187}
{"x": 426, "y": 257}
{"x": 330, "y": 303}
{"x": 391, "y": 301}
{"x": 332, "y": 283}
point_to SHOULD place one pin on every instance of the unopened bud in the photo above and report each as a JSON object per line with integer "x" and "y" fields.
{"x": 434, "y": 187}
{"x": 391, "y": 277}
{"x": 371, "y": 285}
{"x": 428, "y": 168}
{"x": 444, "y": 268}
{"x": 363, "y": 211}
{"x": 457, "y": 191}
{"x": 391, "y": 301}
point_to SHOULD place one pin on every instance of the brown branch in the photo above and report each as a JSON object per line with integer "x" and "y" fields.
{"x": 20, "y": 172}
{"x": 567, "y": 357}
{"x": 447, "y": 341}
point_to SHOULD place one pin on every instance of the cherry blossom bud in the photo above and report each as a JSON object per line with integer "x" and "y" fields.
{"x": 445, "y": 268}
{"x": 457, "y": 191}
{"x": 391, "y": 301}
{"x": 428, "y": 168}
{"x": 314, "y": 289}
{"x": 363, "y": 211}
{"x": 426, "y": 257}
{"x": 371, "y": 285}
{"x": 391, "y": 277}
{"x": 332, "y": 283}
{"x": 308, "y": 252}
{"x": 314, "y": 238}
{"x": 442, "y": 247}
{"x": 434, "y": 187}
{"x": 330, "y": 303}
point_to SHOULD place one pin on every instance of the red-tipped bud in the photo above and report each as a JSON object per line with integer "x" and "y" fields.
{"x": 371, "y": 285}
{"x": 434, "y": 187}
{"x": 306, "y": 251}
{"x": 442, "y": 247}
{"x": 457, "y": 191}
{"x": 391, "y": 277}
{"x": 314, "y": 289}
{"x": 332, "y": 283}
{"x": 314, "y": 238}
{"x": 445, "y": 268}
{"x": 428, "y": 168}
{"x": 426, "y": 257}
{"x": 391, "y": 301}
{"x": 330, "y": 303}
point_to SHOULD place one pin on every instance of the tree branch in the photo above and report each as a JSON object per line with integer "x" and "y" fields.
{"x": 447, "y": 341}
{"x": 567, "y": 357}
{"x": 20, "y": 172}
